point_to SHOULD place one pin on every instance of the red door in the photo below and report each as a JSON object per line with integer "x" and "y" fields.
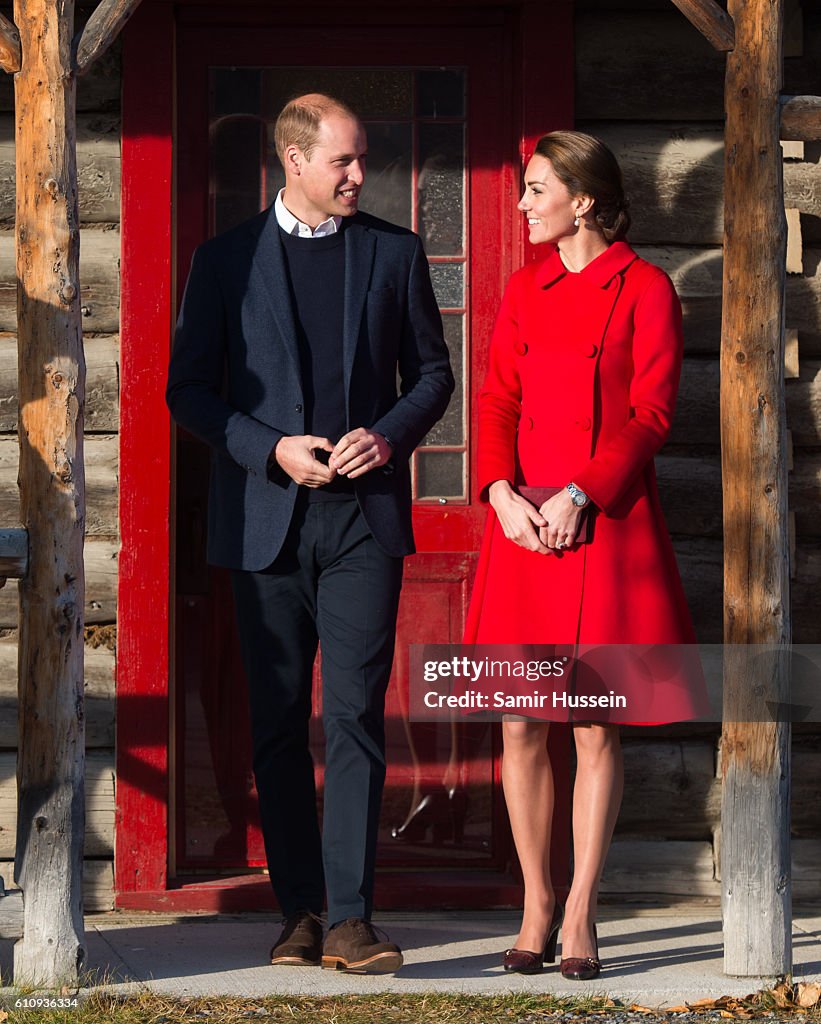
{"x": 443, "y": 103}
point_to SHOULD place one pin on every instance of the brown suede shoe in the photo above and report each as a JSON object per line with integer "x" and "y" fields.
{"x": 353, "y": 945}
{"x": 300, "y": 944}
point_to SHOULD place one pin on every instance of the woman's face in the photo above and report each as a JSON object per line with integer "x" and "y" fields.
{"x": 548, "y": 205}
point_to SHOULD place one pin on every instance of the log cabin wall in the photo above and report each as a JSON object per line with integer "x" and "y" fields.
{"x": 652, "y": 88}
{"x": 98, "y": 159}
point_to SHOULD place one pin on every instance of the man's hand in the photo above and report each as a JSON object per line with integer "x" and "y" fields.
{"x": 521, "y": 522}
{"x": 296, "y": 456}
{"x": 358, "y": 452}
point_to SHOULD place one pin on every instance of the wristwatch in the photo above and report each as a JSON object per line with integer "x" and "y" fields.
{"x": 577, "y": 495}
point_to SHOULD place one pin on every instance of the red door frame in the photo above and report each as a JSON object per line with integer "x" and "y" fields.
{"x": 144, "y": 655}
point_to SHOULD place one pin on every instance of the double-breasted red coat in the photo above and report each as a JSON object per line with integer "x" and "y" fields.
{"x": 582, "y": 382}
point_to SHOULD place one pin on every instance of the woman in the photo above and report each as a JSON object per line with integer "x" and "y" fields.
{"x": 584, "y": 368}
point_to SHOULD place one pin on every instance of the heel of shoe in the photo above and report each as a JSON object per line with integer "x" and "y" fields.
{"x": 553, "y": 935}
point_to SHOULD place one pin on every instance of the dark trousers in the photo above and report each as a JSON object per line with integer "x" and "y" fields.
{"x": 330, "y": 584}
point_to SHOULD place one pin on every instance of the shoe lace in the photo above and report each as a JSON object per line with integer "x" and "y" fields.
{"x": 367, "y": 929}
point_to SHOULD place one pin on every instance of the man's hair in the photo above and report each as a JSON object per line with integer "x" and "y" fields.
{"x": 300, "y": 118}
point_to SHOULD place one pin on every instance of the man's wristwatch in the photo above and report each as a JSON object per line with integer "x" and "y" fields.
{"x": 577, "y": 495}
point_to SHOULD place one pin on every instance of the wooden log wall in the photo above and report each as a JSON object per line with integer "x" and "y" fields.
{"x": 98, "y": 158}
{"x": 668, "y": 138}
{"x": 652, "y": 88}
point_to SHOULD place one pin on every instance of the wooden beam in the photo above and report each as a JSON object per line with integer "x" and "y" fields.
{"x": 801, "y": 118}
{"x": 14, "y": 554}
{"x": 100, "y": 31}
{"x": 10, "y": 52}
{"x": 51, "y": 390}
{"x": 712, "y": 21}
{"x": 755, "y": 823}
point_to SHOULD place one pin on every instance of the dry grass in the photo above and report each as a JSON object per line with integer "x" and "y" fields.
{"x": 100, "y": 1008}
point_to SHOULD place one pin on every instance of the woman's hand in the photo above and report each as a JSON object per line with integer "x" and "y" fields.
{"x": 520, "y": 521}
{"x": 562, "y": 519}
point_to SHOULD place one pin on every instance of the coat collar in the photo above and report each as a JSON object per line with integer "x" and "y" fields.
{"x": 599, "y": 272}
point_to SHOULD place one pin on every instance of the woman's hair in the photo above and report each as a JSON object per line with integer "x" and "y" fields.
{"x": 587, "y": 168}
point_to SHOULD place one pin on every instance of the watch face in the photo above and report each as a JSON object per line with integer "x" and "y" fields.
{"x": 579, "y": 498}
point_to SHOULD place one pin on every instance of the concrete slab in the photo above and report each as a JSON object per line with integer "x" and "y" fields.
{"x": 653, "y": 957}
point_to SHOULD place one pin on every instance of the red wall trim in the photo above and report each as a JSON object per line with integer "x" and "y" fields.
{"x": 141, "y": 832}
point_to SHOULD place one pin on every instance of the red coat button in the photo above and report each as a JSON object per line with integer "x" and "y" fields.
{"x": 520, "y": 348}
{"x": 527, "y": 423}
{"x": 591, "y": 350}
{"x": 584, "y": 423}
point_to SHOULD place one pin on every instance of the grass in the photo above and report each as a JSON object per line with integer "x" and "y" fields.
{"x": 100, "y": 1008}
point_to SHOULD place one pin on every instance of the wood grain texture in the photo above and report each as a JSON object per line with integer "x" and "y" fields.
{"x": 670, "y": 790}
{"x": 100, "y": 31}
{"x": 10, "y": 53}
{"x": 697, "y": 274}
{"x": 102, "y": 408}
{"x": 98, "y": 893}
{"x": 100, "y": 453}
{"x": 99, "y": 788}
{"x": 98, "y": 91}
{"x": 98, "y": 689}
{"x": 801, "y": 118}
{"x": 100, "y": 604}
{"x": 670, "y": 868}
{"x": 674, "y": 177}
{"x": 14, "y": 553}
{"x": 711, "y": 20}
{"x": 635, "y": 65}
{"x": 99, "y": 282}
{"x": 49, "y": 851}
{"x": 98, "y": 169}
{"x": 755, "y": 855}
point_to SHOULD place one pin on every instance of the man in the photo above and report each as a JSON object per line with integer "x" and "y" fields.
{"x": 291, "y": 331}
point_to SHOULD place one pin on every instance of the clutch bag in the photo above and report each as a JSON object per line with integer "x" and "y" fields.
{"x": 538, "y": 496}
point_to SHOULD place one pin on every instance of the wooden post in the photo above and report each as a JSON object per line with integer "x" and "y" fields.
{"x": 50, "y": 826}
{"x": 755, "y": 755}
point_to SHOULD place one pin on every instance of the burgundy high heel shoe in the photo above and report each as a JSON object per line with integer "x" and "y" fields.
{"x": 582, "y": 968}
{"x": 524, "y": 961}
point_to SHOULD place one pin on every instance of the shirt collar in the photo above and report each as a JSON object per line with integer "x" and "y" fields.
{"x": 599, "y": 272}
{"x": 291, "y": 226}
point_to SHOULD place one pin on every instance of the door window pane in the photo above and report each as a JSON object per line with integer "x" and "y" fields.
{"x": 441, "y": 188}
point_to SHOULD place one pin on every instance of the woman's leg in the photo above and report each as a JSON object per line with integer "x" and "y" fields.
{"x": 596, "y": 801}
{"x": 527, "y": 780}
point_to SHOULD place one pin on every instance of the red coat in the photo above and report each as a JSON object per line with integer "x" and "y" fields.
{"x": 584, "y": 370}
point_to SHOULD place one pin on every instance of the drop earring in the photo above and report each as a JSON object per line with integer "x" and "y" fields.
{"x": 576, "y": 222}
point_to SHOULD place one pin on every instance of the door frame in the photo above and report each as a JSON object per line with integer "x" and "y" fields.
{"x": 543, "y": 100}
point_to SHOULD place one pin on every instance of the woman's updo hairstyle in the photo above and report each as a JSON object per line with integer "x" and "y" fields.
{"x": 587, "y": 168}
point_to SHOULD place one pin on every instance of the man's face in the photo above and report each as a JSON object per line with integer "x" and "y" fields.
{"x": 328, "y": 183}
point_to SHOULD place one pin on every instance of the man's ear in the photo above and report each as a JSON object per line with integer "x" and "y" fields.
{"x": 294, "y": 158}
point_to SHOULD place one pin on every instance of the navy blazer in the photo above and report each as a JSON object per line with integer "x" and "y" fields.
{"x": 235, "y": 379}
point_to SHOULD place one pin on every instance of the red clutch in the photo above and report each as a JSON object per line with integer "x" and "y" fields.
{"x": 538, "y": 496}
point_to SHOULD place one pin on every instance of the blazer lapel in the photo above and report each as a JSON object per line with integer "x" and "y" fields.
{"x": 269, "y": 276}
{"x": 359, "y": 255}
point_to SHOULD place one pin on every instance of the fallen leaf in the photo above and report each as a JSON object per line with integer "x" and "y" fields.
{"x": 807, "y": 994}
{"x": 678, "y": 1009}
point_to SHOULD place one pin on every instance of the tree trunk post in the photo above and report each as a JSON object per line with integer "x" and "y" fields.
{"x": 50, "y": 830}
{"x": 755, "y": 750}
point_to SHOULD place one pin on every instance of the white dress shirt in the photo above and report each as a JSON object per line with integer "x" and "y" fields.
{"x": 291, "y": 226}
